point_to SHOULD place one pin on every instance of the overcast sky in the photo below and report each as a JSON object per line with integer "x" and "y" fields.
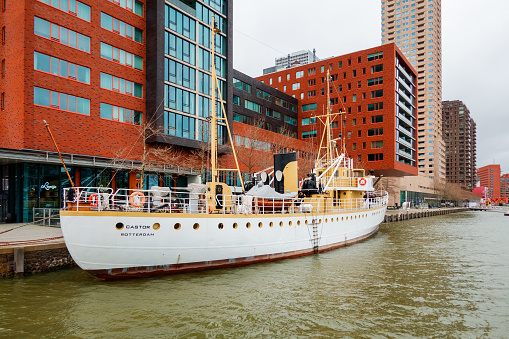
{"x": 475, "y": 50}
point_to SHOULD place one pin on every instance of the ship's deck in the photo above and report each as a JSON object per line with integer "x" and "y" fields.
{"x": 181, "y": 201}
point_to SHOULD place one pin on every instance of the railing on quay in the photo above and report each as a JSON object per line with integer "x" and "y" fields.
{"x": 176, "y": 201}
{"x": 46, "y": 216}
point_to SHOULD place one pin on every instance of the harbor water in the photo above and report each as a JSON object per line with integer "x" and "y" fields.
{"x": 434, "y": 277}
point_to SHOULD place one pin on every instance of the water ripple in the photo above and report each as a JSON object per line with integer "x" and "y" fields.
{"x": 434, "y": 277}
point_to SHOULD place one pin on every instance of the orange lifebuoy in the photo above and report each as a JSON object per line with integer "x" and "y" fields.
{"x": 94, "y": 200}
{"x": 139, "y": 201}
{"x": 362, "y": 181}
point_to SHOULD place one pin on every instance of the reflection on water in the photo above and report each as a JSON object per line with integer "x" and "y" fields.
{"x": 432, "y": 277}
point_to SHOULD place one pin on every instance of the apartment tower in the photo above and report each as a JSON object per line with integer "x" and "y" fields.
{"x": 460, "y": 140}
{"x": 489, "y": 176}
{"x": 415, "y": 27}
{"x": 375, "y": 89}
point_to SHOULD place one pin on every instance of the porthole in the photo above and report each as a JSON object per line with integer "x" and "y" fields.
{"x": 220, "y": 226}
{"x": 356, "y": 217}
{"x": 298, "y": 222}
{"x": 271, "y": 224}
{"x": 281, "y": 223}
{"x": 326, "y": 220}
{"x": 320, "y": 221}
{"x": 177, "y": 226}
{"x": 260, "y": 224}
{"x": 337, "y": 219}
{"x": 306, "y": 222}
{"x": 119, "y": 226}
{"x": 235, "y": 225}
{"x": 289, "y": 223}
{"x": 342, "y": 218}
{"x": 248, "y": 225}
{"x": 156, "y": 226}
{"x": 196, "y": 226}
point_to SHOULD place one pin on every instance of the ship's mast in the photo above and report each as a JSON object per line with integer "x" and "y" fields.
{"x": 214, "y": 118}
{"x": 325, "y": 152}
{"x": 328, "y": 122}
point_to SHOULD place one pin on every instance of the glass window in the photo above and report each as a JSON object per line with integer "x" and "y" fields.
{"x": 42, "y": 28}
{"x": 83, "y": 106}
{"x": 83, "y": 74}
{"x": 83, "y": 11}
{"x": 41, "y": 62}
{"x": 41, "y": 96}
{"x": 61, "y": 101}
{"x": 84, "y": 43}
{"x": 61, "y": 34}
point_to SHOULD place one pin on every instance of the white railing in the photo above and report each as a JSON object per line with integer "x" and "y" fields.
{"x": 175, "y": 201}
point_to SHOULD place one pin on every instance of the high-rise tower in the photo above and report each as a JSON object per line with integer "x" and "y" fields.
{"x": 460, "y": 138}
{"x": 416, "y": 28}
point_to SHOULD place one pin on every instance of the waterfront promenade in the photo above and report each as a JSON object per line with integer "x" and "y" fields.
{"x": 29, "y": 249}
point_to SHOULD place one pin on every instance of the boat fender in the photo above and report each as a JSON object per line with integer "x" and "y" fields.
{"x": 137, "y": 202}
{"x": 94, "y": 200}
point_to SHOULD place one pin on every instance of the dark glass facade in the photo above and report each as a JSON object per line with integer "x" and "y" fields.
{"x": 179, "y": 66}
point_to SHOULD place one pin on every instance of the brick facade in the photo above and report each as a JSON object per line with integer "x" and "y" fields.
{"x": 22, "y": 122}
{"x": 353, "y": 99}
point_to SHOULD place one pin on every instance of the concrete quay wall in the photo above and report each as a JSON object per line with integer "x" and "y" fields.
{"x": 393, "y": 216}
{"x": 27, "y": 260}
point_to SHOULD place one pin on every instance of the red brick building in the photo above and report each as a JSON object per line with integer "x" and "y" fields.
{"x": 504, "y": 186}
{"x": 489, "y": 176}
{"x": 83, "y": 66}
{"x": 377, "y": 90}
{"x": 53, "y": 53}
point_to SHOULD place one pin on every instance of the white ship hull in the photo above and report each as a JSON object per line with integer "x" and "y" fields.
{"x": 114, "y": 245}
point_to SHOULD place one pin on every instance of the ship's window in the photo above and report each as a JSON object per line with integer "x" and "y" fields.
{"x": 326, "y": 220}
{"x": 281, "y": 223}
{"x": 298, "y": 222}
{"x": 260, "y": 224}
{"x": 119, "y": 226}
{"x": 342, "y": 218}
{"x": 271, "y": 224}
{"x": 289, "y": 223}
{"x": 248, "y": 225}
{"x": 177, "y": 226}
{"x": 306, "y": 222}
{"x": 157, "y": 226}
{"x": 196, "y": 226}
{"x": 235, "y": 226}
{"x": 337, "y": 219}
{"x": 320, "y": 221}
{"x": 220, "y": 226}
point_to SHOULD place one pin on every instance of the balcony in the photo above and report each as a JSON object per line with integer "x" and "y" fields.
{"x": 401, "y": 82}
{"x": 405, "y": 143}
{"x": 410, "y": 100}
{"x": 405, "y": 154}
{"x": 403, "y": 118}
{"x": 409, "y": 78}
{"x": 406, "y": 131}
{"x": 406, "y": 109}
